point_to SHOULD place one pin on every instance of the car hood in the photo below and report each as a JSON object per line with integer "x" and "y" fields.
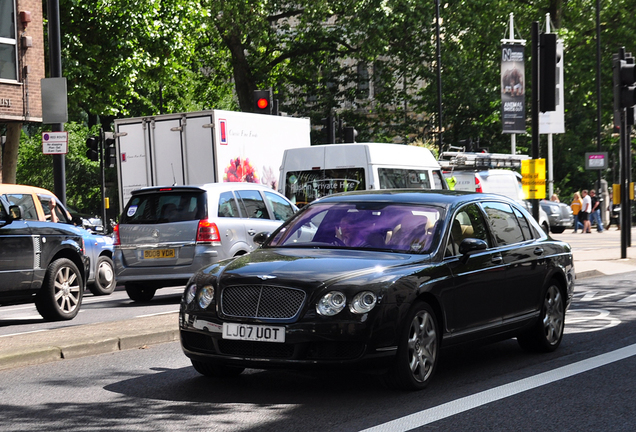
{"x": 311, "y": 267}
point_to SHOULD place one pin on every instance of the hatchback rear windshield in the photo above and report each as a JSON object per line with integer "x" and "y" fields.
{"x": 164, "y": 207}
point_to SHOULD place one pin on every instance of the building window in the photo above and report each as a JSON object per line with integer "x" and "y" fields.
{"x": 363, "y": 81}
{"x": 8, "y": 41}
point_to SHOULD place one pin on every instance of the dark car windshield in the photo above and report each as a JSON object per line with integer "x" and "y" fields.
{"x": 396, "y": 227}
{"x": 164, "y": 207}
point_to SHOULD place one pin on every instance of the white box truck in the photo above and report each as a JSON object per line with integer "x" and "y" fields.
{"x": 204, "y": 147}
{"x": 312, "y": 172}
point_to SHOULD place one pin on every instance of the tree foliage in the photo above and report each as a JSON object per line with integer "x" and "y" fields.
{"x": 373, "y": 62}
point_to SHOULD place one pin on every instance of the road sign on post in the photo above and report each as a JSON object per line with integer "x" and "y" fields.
{"x": 54, "y": 142}
{"x": 533, "y": 178}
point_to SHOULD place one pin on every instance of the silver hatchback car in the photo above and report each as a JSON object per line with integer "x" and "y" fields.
{"x": 166, "y": 234}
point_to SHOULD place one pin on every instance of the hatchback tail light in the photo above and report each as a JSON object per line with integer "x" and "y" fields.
{"x": 116, "y": 240}
{"x": 208, "y": 232}
{"x": 478, "y": 187}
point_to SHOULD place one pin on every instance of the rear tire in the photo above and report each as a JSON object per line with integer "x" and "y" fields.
{"x": 61, "y": 294}
{"x": 557, "y": 230}
{"x": 139, "y": 292}
{"x": 547, "y": 333}
{"x": 418, "y": 350}
{"x": 104, "y": 277}
{"x": 216, "y": 370}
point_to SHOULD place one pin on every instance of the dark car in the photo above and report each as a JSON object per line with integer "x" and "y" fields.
{"x": 381, "y": 279}
{"x": 41, "y": 262}
{"x": 560, "y": 215}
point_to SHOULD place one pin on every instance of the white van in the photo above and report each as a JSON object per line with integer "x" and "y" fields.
{"x": 309, "y": 173}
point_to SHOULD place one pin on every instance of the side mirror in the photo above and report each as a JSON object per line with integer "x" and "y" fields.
{"x": 471, "y": 245}
{"x": 15, "y": 212}
{"x": 260, "y": 238}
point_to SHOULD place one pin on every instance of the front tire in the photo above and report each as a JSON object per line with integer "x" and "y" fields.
{"x": 216, "y": 370}
{"x": 140, "y": 293}
{"x": 104, "y": 277}
{"x": 61, "y": 294}
{"x": 547, "y": 333}
{"x": 418, "y": 350}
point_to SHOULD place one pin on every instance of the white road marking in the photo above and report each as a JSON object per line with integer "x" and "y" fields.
{"x": 469, "y": 402}
{"x": 158, "y": 313}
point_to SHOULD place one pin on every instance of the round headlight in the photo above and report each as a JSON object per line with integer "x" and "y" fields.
{"x": 206, "y": 296}
{"x": 331, "y": 303}
{"x": 363, "y": 302}
{"x": 190, "y": 292}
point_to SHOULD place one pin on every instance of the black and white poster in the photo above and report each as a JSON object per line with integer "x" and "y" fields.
{"x": 513, "y": 89}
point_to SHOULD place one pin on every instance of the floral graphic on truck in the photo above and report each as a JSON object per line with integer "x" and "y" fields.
{"x": 240, "y": 170}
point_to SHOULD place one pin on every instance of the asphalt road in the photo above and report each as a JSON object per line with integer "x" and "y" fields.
{"x": 586, "y": 385}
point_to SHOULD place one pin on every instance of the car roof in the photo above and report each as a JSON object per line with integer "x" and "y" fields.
{"x": 447, "y": 198}
{"x": 207, "y": 186}
{"x": 16, "y": 188}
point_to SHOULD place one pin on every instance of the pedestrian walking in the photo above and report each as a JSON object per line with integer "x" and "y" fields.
{"x": 576, "y": 206}
{"x": 595, "y": 215}
{"x": 586, "y": 209}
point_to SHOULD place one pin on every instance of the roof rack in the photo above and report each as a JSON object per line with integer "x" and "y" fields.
{"x": 468, "y": 160}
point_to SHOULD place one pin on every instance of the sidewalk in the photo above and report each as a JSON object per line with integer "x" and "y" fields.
{"x": 595, "y": 254}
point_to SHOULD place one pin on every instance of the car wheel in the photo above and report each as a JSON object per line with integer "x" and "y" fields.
{"x": 557, "y": 230}
{"x": 104, "y": 277}
{"x": 216, "y": 370}
{"x": 60, "y": 297}
{"x": 418, "y": 350}
{"x": 139, "y": 292}
{"x": 546, "y": 228}
{"x": 547, "y": 334}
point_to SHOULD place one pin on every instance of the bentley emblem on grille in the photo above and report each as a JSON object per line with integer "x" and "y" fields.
{"x": 155, "y": 233}
{"x": 265, "y": 277}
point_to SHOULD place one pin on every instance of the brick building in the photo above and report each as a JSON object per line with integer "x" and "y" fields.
{"x": 21, "y": 60}
{"x": 21, "y": 67}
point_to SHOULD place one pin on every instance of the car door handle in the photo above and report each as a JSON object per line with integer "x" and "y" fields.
{"x": 498, "y": 259}
{"x": 538, "y": 251}
{"x": 251, "y": 232}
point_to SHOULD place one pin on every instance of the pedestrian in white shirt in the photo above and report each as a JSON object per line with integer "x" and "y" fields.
{"x": 584, "y": 214}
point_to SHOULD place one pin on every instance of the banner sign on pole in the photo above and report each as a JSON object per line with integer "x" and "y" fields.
{"x": 513, "y": 89}
{"x": 533, "y": 178}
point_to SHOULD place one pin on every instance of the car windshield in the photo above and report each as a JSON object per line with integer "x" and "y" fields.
{"x": 376, "y": 226}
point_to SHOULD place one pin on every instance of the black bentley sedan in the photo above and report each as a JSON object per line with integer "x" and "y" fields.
{"x": 381, "y": 279}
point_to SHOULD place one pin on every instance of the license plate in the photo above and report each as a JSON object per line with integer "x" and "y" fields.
{"x": 158, "y": 253}
{"x": 253, "y": 332}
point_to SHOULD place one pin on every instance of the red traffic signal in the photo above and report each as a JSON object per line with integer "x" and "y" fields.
{"x": 262, "y": 101}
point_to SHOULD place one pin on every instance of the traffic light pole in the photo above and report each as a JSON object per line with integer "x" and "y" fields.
{"x": 102, "y": 177}
{"x": 535, "y": 105}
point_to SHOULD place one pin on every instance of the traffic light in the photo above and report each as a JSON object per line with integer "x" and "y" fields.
{"x": 93, "y": 148}
{"x": 350, "y": 134}
{"x": 263, "y": 101}
{"x": 627, "y": 83}
{"x": 330, "y": 128}
{"x": 548, "y": 71}
{"x": 110, "y": 152}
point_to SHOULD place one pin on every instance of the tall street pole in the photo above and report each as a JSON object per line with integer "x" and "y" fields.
{"x": 598, "y": 96}
{"x": 439, "y": 82}
{"x": 55, "y": 71}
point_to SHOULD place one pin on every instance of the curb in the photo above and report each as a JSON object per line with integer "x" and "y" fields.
{"x": 87, "y": 340}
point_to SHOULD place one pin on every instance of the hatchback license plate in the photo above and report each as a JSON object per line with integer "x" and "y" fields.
{"x": 259, "y": 333}
{"x": 158, "y": 253}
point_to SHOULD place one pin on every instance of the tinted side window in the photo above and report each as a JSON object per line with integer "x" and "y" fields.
{"x": 228, "y": 206}
{"x": 399, "y": 178}
{"x": 253, "y": 204}
{"x": 467, "y": 223}
{"x": 282, "y": 209}
{"x": 525, "y": 225}
{"x": 503, "y": 223}
{"x": 27, "y": 206}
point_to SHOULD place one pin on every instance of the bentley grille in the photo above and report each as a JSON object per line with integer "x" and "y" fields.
{"x": 261, "y": 301}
